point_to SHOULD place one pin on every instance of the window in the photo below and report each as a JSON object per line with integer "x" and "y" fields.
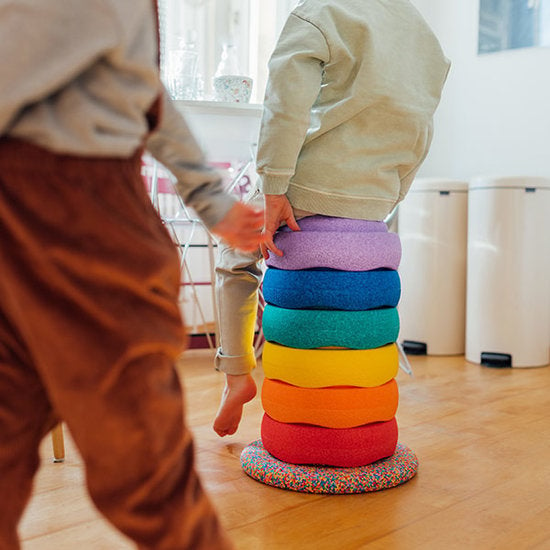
{"x": 202, "y": 27}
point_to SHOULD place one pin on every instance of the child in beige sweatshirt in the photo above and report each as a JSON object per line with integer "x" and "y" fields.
{"x": 348, "y": 117}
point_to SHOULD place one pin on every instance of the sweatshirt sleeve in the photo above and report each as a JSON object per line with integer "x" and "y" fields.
{"x": 199, "y": 185}
{"x": 295, "y": 77}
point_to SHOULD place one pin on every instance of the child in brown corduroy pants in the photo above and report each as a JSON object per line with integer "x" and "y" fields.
{"x": 90, "y": 327}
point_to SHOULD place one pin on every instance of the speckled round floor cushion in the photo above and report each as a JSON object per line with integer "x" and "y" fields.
{"x": 330, "y": 289}
{"x": 344, "y": 448}
{"x": 383, "y": 474}
{"x": 318, "y": 328}
{"x": 335, "y": 407}
{"x": 319, "y": 368}
{"x": 336, "y": 250}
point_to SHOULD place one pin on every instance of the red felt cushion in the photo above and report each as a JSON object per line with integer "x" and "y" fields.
{"x": 347, "y": 447}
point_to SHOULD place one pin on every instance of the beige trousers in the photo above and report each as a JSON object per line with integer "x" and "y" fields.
{"x": 238, "y": 279}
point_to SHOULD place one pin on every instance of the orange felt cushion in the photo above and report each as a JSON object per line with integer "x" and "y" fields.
{"x": 334, "y": 407}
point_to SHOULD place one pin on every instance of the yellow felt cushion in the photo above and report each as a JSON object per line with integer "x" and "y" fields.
{"x": 335, "y": 407}
{"x": 321, "y": 368}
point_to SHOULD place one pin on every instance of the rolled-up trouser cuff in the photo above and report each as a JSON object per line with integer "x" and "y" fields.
{"x": 235, "y": 364}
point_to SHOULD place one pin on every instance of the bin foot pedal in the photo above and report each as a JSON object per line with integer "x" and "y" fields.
{"x": 496, "y": 360}
{"x": 411, "y": 347}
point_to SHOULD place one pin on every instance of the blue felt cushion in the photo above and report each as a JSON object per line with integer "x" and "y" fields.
{"x": 317, "y": 328}
{"x": 330, "y": 289}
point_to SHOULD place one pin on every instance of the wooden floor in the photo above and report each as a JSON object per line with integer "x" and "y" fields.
{"x": 482, "y": 437}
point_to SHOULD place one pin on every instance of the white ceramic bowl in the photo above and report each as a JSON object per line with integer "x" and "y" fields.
{"x": 232, "y": 88}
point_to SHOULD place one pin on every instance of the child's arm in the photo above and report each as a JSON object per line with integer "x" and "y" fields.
{"x": 295, "y": 78}
{"x": 199, "y": 185}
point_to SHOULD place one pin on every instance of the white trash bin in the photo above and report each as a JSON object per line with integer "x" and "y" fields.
{"x": 508, "y": 297}
{"x": 432, "y": 224}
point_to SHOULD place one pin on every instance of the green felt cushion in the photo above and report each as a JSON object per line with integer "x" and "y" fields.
{"x": 308, "y": 329}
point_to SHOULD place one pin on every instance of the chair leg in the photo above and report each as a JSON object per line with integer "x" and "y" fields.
{"x": 58, "y": 443}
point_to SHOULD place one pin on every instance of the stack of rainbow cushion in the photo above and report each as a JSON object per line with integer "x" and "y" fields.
{"x": 330, "y": 361}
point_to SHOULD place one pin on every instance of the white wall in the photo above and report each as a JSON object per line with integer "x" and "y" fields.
{"x": 494, "y": 117}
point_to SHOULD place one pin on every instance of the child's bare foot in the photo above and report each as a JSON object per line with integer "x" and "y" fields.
{"x": 239, "y": 389}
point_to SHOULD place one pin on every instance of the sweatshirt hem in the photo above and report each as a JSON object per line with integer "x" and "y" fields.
{"x": 362, "y": 208}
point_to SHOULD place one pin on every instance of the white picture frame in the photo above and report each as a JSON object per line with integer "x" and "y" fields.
{"x": 513, "y": 24}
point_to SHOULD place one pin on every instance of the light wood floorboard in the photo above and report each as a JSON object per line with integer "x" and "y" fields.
{"x": 482, "y": 437}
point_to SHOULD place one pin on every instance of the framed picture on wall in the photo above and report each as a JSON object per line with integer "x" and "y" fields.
{"x": 509, "y": 24}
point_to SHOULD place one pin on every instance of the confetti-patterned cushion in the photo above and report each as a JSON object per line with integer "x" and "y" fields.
{"x": 383, "y": 474}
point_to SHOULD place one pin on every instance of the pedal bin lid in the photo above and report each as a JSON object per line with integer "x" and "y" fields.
{"x": 439, "y": 185}
{"x": 512, "y": 182}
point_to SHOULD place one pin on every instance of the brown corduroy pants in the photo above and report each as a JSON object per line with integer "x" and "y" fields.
{"x": 89, "y": 333}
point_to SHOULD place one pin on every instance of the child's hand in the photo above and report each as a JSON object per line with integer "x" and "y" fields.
{"x": 241, "y": 228}
{"x": 277, "y": 211}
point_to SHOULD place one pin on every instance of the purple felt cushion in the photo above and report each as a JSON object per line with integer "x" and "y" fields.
{"x": 343, "y": 250}
{"x": 329, "y": 223}
{"x": 346, "y": 447}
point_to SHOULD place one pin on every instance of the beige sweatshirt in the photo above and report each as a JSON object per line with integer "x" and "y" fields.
{"x": 353, "y": 86}
{"x": 78, "y": 78}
